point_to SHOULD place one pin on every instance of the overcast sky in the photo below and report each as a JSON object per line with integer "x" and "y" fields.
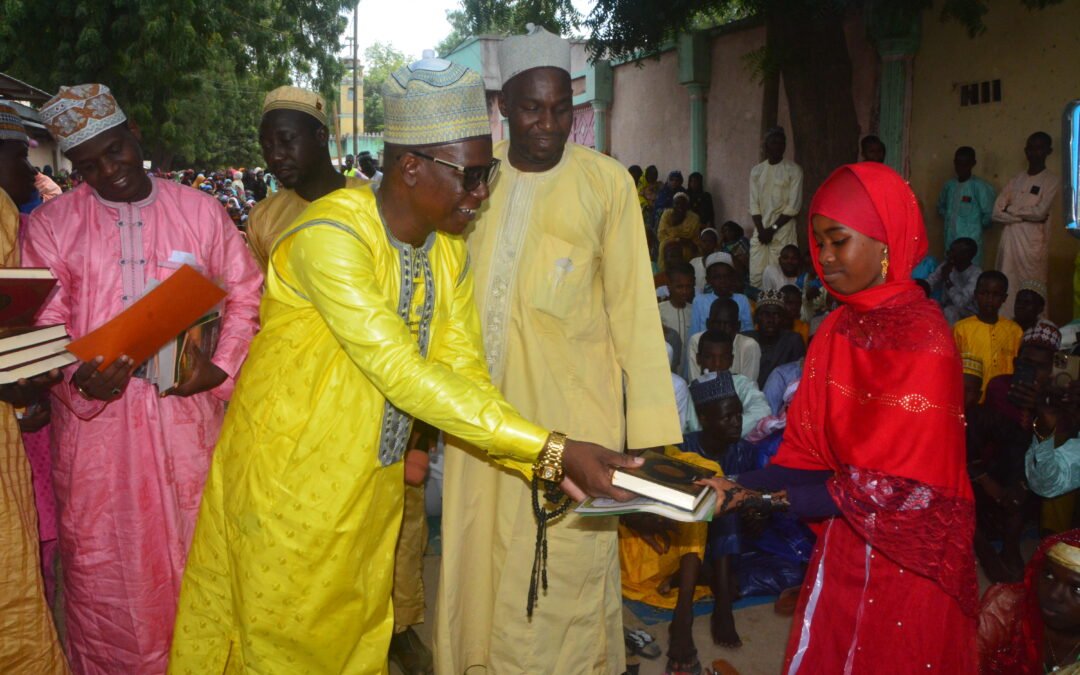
{"x": 410, "y": 25}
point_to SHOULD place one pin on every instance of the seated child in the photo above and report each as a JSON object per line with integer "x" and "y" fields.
{"x": 675, "y": 311}
{"x": 954, "y": 280}
{"x": 722, "y": 283}
{"x": 992, "y": 339}
{"x": 785, "y": 271}
{"x": 778, "y": 345}
{"x": 793, "y": 302}
{"x": 714, "y": 355}
{"x": 724, "y": 317}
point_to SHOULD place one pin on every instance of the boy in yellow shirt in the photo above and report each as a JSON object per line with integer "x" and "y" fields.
{"x": 992, "y": 339}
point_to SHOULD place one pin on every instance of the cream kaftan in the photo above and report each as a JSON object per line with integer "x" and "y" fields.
{"x": 565, "y": 292}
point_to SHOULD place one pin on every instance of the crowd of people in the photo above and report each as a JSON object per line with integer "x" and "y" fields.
{"x": 420, "y": 328}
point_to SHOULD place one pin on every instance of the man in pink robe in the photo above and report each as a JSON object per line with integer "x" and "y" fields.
{"x": 130, "y": 463}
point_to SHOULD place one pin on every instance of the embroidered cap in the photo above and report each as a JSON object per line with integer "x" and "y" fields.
{"x": 1035, "y": 286}
{"x": 288, "y": 97}
{"x": 434, "y": 101}
{"x": 713, "y": 387}
{"x": 1043, "y": 334}
{"x": 536, "y": 49}
{"x": 767, "y": 298}
{"x": 11, "y": 125}
{"x": 79, "y": 113}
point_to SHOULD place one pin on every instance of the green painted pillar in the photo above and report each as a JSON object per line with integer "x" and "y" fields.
{"x": 698, "y": 136}
{"x": 600, "y": 126}
{"x": 895, "y": 32}
{"x": 694, "y": 74}
{"x": 600, "y": 89}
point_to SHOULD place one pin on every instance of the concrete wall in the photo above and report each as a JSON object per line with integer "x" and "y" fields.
{"x": 650, "y": 115}
{"x": 1036, "y": 55}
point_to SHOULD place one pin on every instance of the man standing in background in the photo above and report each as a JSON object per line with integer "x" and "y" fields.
{"x": 775, "y": 200}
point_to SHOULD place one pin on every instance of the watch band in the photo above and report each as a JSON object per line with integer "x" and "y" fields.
{"x": 549, "y": 465}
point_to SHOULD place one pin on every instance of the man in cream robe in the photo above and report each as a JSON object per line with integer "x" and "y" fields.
{"x": 573, "y": 339}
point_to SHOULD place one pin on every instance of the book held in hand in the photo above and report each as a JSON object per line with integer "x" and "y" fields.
{"x": 603, "y": 506}
{"x": 27, "y": 350}
{"x": 666, "y": 480}
{"x": 175, "y": 363}
{"x": 154, "y": 320}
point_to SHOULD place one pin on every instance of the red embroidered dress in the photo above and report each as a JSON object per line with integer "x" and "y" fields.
{"x": 891, "y": 585}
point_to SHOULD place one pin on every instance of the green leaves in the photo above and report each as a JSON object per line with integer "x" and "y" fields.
{"x": 191, "y": 74}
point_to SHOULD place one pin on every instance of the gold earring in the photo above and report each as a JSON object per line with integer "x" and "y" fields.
{"x": 885, "y": 264}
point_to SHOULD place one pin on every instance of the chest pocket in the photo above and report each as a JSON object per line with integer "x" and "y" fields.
{"x": 560, "y": 278}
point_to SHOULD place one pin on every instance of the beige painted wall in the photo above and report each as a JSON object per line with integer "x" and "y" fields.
{"x": 1036, "y": 83}
{"x": 650, "y": 115}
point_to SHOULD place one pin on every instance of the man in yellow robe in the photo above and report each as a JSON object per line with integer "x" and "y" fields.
{"x": 368, "y": 320}
{"x": 293, "y": 137}
{"x": 28, "y": 642}
{"x": 565, "y": 294}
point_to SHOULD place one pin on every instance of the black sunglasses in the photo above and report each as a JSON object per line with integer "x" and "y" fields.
{"x": 471, "y": 176}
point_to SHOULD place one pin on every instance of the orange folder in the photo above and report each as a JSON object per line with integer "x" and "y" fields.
{"x": 157, "y": 317}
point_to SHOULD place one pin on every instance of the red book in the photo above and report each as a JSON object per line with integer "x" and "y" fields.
{"x": 22, "y": 293}
{"x": 155, "y": 319}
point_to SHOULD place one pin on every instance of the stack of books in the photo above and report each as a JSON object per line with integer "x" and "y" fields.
{"x": 667, "y": 487}
{"x": 27, "y": 350}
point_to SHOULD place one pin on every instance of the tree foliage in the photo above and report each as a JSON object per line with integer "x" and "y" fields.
{"x": 380, "y": 59}
{"x": 191, "y": 74}
{"x": 628, "y": 28}
{"x": 507, "y": 17}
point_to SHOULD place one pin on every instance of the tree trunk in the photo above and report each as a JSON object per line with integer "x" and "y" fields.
{"x": 818, "y": 83}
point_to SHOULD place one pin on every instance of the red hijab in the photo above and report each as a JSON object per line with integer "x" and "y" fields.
{"x": 881, "y": 399}
{"x": 1022, "y": 651}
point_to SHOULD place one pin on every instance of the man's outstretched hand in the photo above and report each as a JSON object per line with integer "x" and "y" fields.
{"x": 588, "y": 469}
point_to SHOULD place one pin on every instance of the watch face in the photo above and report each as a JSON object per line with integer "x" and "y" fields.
{"x": 547, "y": 473}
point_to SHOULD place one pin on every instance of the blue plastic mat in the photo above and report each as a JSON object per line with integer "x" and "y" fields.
{"x": 650, "y": 615}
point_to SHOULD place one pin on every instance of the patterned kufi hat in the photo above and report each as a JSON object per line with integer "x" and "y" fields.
{"x": 536, "y": 49}
{"x": 973, "y": 365}
{"x": 1035, "y": 286}
{"x": 288, "y": 97}
{"x": 713, "y": 387}
{"x": 79, "y": 113}
{"x": 775, "y": 298}
{"x": 719, "y": 257}
{"x": 11, "y": 125}
{"x": 434, "y": 101}
{"x": 1066, "y": 555}
{"x": 680, "y": 195}
{"x": 1043, "y": 334}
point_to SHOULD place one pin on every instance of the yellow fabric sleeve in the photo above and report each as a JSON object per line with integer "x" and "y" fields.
{"x": 335, "y": 271}
{"x": 634, "y": 319}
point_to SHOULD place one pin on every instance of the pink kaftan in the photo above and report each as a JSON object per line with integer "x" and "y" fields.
{"x": 129, "y": 473}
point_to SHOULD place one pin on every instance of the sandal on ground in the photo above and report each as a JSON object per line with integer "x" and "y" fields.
{"x": 641, "y": 643}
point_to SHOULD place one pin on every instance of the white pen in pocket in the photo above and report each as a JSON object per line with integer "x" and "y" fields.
{"x": 563, "y": 266}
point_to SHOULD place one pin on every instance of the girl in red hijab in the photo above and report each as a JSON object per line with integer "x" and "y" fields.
{"x": 878, "y": 423}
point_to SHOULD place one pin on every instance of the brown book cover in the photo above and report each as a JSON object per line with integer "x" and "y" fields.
{"x": 665, "y": 479}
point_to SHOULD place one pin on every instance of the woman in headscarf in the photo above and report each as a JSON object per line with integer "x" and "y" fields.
{"x": 875, "y": 451}
{"x": 1033, "y": 627}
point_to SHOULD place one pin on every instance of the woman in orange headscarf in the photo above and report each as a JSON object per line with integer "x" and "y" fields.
{"x": 878, "y": 422}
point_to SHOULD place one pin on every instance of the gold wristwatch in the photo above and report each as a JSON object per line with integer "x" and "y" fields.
{"x": 549, "y": 465}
